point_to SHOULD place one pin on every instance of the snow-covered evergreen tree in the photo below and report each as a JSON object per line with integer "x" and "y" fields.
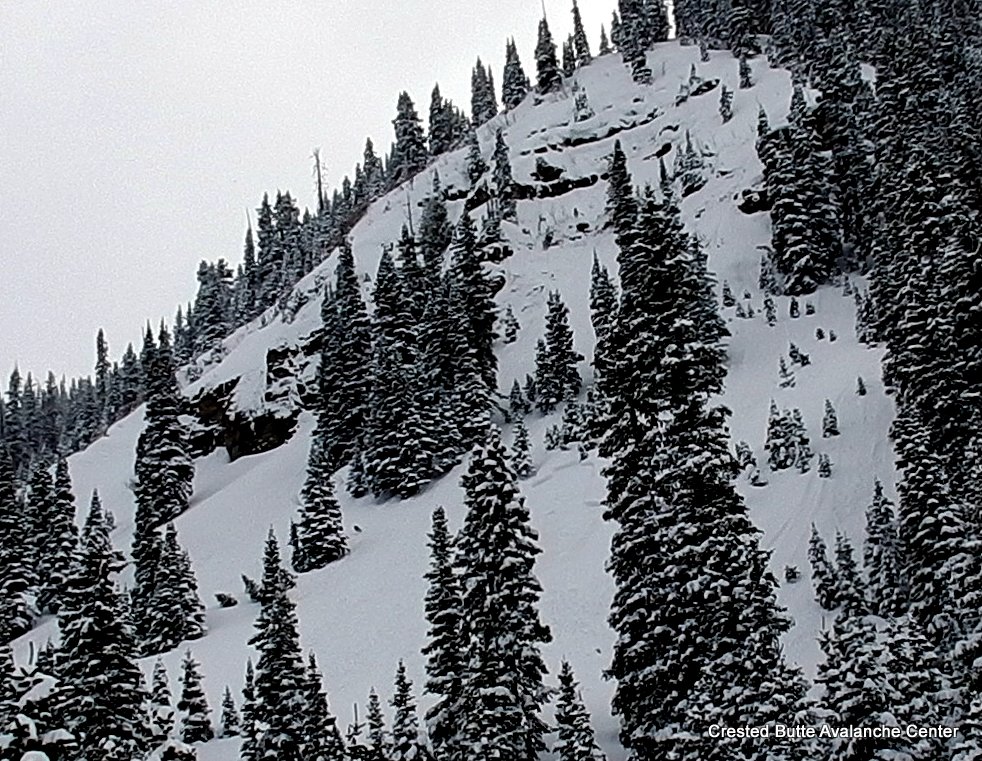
{"x": 345, "y": 357}
{"x": 277, "y": 712}
{"x": 881, "y": 555}
{"x": 15, "y": 555}
{"x": 824, "y": 576}
{"x": 445, "y": 650}
{"x": 250, "y": 715}
{"x": 509, "y": 325}
{"x": 850, "y": 588}
{"x": 410, "y": 153}
{"x": 162, "y": 718}
{"x": 378, "y": 738}
{"x": 58, "y": 541}
{"x": 174, "y": 611}
{"x": 321, "y": 736}
{"x": 521, "y": 450}
{"x": 568, "y": 57}
{"x": 581, "y": 45}
{"x": 502, "y": 691}
{"x": 932, "y": 526}
{"x": 673, "y": 682}
{"x": 399, "y": 448}
{"x": 725, "y": 104}
{"x": 230, "y": 721}
{"x": 320, "y": 532}
{"x": 193, "y": 705}
{"x": 556, "y": 376}
{"x": 407, "y": 742}
{"x": 869, "y": 680}
{"x": 484, "y": 103}
{"x": 603, "y": 309}
{"x": 504, "y": 184}
{"x": 830, "y": 422}
{"x": 515, "y": 84}
{"x": 621, "y": 201}
{"x": 100, "y": 698}
{"x": 634, "y": 38}
{"x": 441, "y": 127}
{"x": 164, "y": 473}
{"x": 824, "y": 465}
{"x": 605, "y": 46}
{"x": 577, "y": 741}
{"x": 548, "y": 76}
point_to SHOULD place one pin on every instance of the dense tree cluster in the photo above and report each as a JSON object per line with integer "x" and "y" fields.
{"x": 641, "y": 23}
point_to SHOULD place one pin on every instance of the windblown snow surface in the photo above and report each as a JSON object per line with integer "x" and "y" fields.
{"x": 365, "y": 612}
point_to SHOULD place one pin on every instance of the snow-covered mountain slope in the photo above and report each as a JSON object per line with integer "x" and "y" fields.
{"x": 365, "y": 612}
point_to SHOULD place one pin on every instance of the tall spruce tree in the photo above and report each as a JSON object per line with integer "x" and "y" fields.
{"x": 605, "y": 47}
{"x": 345, "y": 357}
{"x": 603, "y": 310}
{"x": 174, "y": 612}
{"x": 514, "y": 84}
{"x": 559, "y": 342}
{"x": 398, "y": 455}
{"x": 881, "y": 555}
{"x": 250, "y": 714}
{"x": 471, "y": 301}
{"x": 824, "y": 576}
{"x": 622, "y": 204}
{"x": 441, "y": 128}
{"x": 164, "y": 474}
{"x": 15, "y": 433}
{"x": 504, "y": 183}
{"x": 869, "y": 675}
{"x": 476, "y": 166}
{"x": 670, "y": 484}
{"x": 548, "y": 76}
{"x": 932, "y": 526}
{"x": 502, "y": 689}
{"x": 548, "y": 393}
{"x": 230, "y": 721}
{"x": 280, "y": 676}
{"x": 410, "y": 154}
{"x": 577, "y": 741}
{"x": 634, "y": 38}
{"x": 484, "y": 104}
{"x": 161, "y": 708}
{"x": 435, "y": 231}
{"x": 100, "y": 698}
{"x": 103, "y": 369}
{"x": 193, "y": 705}
{"x": 662, "y": 347}
{"x": 568, "y": 57}
{"x": 445, "y": 649}
{"x": 378, "y": 740}
{"x": 59, "y": 539}
{"x": 803, "y": 216}
{"x": 15, "y": 555}
{"x": 581, "y": 45}
{"x": 321, "y": 737}
{"x": 407, "y": 743}
{"x": 320, "y": 530}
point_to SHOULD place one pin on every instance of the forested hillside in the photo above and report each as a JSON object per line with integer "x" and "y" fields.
{"x": 637, "y": 400}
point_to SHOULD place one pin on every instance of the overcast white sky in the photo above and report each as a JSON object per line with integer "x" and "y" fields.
{"x": 135, "y": 133}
